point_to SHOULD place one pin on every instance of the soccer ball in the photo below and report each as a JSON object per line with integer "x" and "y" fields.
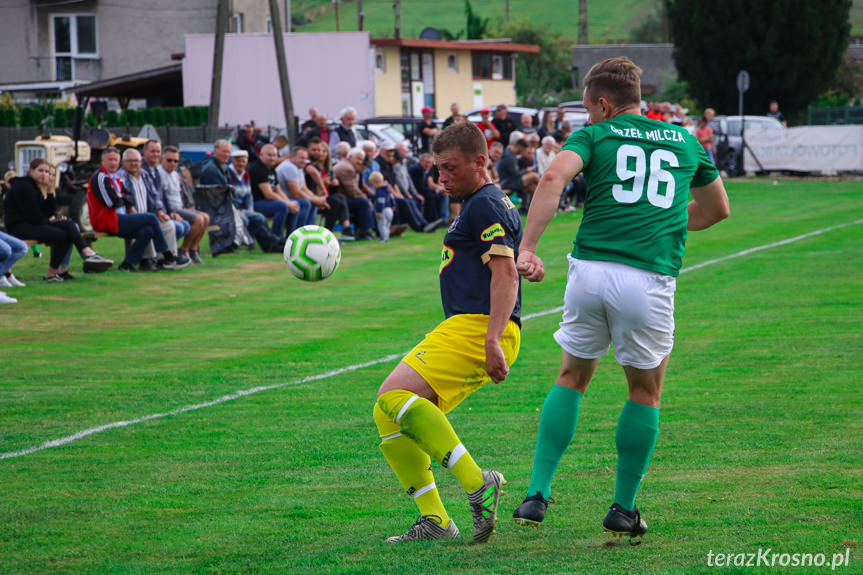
{"x": 312, "y": 253}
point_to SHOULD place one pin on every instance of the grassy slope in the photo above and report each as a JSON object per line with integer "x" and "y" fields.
{"x": 609, "y": 21}
{"x": 759, "y": 445}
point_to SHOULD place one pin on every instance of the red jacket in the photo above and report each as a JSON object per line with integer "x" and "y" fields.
{"x": 104, "y": 196}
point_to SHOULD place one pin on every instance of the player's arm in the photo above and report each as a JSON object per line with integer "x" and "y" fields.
{"x": 504, "y": 290}
{"x": 565, "y": 166}
{"x": 708, "y": 206}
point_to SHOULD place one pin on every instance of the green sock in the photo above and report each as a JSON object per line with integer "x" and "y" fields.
{"x": 556, "y": 428}
{"x": 636, "y": 436}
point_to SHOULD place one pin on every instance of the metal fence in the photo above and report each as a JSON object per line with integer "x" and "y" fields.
{"x": 172, "y": 135}
{"x": 835, "y": 115}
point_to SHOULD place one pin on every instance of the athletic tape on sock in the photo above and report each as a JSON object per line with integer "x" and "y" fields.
{"x": 393, "y": 436}
{"x": 424, "y": 490}
{"x": 457, "y": 452}
{"x": 405, "y": 407}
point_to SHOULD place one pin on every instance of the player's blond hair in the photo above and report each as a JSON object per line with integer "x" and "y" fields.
{"x": 618, "y": 80}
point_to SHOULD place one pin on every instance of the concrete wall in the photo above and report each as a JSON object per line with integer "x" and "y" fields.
{"x": 654, "y": 60}
{"x": 339, "y": 75}
{"x": 132, "y": 36}
{"x": 453, "y": 87}
{"x": 388, "y": 84}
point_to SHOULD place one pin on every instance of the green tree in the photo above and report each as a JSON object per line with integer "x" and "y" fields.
{"x": 477, "y": 28}
{"x": 791, "y": 49}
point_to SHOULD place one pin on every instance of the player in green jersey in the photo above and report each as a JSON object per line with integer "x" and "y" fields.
{"x": 622, "y": 274}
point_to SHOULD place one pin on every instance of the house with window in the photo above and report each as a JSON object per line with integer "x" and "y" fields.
{"x": 50, "y": 45}
{"x": 410, "y": 73}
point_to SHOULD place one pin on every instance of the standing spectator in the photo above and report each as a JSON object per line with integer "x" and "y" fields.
{"x": 522, "y": 182}
{"x": 309, "y": 124}
{"x": 653, "y": 111}
{"x": 112, "y": 210}
{"x": 526, "y": 126}
{"x": 385, "y": 203}
{"x": 30, "y": 214}
{"x": 428, "y": 130}
{"x": 11, "y": 250}
{"x": 152, "y": 158}
{"x": 453, "y": 114}
{"x": 502, "y": 122}
{"x": 347, "y": 173}
{"x": 563, "y": 133}
{"x": 704, "y": 135}
{"x": 172, "y": 197}
{"x": 487, "y": 127}
{"x": 559, "y": 119}
{"x": 270, "y": 200}
{"x": 344, "y": 131}
{"x": 292, "y": 179}
{"x": 773, "y": 112}
{"x": 246, "y": 141}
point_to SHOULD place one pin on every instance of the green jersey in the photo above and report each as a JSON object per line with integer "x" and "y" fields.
{"x": 638, "y": 174}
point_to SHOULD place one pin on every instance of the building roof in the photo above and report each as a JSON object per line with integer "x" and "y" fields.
{"x": 157, "y": 82}
{"x": 493, "y": 45}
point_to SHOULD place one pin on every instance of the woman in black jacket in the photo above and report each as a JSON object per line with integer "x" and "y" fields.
{"x": 30, "y": 215}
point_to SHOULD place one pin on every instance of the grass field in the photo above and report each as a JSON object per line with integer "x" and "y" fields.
{"x": 608, "y": 21}
{"x": 760, "y": 443}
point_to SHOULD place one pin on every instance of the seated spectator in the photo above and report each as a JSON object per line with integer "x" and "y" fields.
{"x": 487, "y": 127}
{"x": 654, "y": 112}
{"x": 436, "y": 197}
{"x": 147, "y": 200}
{"x": 281, "y": 144}
{"x": 344, "y": 131}
{"x": 320, "y": 130}
{"x": 292, "y": 179}
{"x": 270, "y": 200}
{"x": 371, "y": 163}
{"x": 11, "y": 250}
{"x": 112, "y": 210}
{"x": 408, "y": 207}
{"x": 385, "y": 203}
{"x": 527, "y": 160}
{"x": 405, "y": 155}
{"x": 244, "y": 203}
{"x": 152, "y": 159}
{"x": 30, "y": 214}
{"x": 172, "y": 197}
{"x": 317, "y": 175}
{"x": 494, "y": 154}
{"x": 511, "y": 178}
{"x": 545, "y": 154}
{"x": 347, "y": 173}
{"x": 213, "y": 196}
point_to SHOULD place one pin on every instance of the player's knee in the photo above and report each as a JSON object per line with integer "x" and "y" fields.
{"x": 385, "y": 424}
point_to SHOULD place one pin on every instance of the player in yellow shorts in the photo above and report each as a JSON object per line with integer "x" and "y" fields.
{"x": 476, "y": 343}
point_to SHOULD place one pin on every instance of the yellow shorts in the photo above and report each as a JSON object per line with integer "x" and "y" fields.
{"x": 452, "y": 357}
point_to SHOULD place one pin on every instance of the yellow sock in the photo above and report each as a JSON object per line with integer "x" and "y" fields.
{"x": 411, "y": 466}
{"x": 422, "y": 421}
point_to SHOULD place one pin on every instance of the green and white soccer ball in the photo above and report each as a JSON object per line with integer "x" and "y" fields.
{"x": 312, "y": 253}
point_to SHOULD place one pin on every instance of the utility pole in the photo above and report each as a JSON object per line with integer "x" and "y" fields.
{"x": 218, "y": 57}
{"x": 288, "y": 16}
{"x": 287, "y": 102}
{"x": 336, "y": 2}
{"x": 360, "y": 15}
{"x": 583, "y": 38}
{"x": 397, "y": 8}
{"x": 666, "y": 29}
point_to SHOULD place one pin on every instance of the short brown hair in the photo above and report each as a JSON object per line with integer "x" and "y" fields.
{"x": 171, "y": 149}
{"x": 618, "y": 80}
{"x": 464, "y": 137}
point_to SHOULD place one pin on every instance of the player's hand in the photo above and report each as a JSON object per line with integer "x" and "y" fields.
{"x": 495, "y": 362}
{"x": 530, "y": 266}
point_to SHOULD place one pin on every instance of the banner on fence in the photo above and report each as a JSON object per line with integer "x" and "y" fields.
{"x": 824, "y": 149}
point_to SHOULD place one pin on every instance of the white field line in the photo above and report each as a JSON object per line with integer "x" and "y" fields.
{"x": 244, "y": 392}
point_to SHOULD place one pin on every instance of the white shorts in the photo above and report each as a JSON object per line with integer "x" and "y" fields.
{"x": 609, "y": 302}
